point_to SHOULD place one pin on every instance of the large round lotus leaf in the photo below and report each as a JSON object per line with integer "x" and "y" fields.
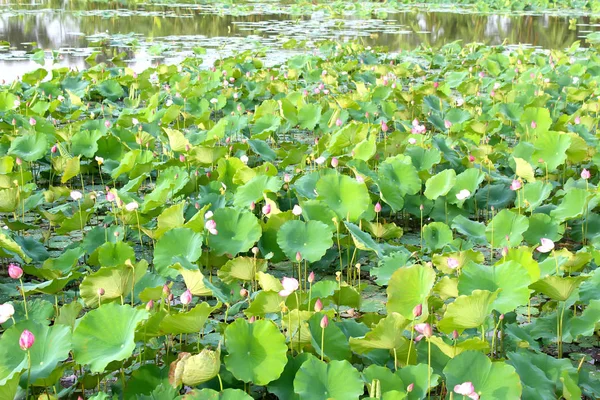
{"x": 283, "y": 387}
{"x": 572, "y": 205}
{"x": 318, "y": 211}
{"x": 254, "y": 190}
{"x": 506, "y": 224}
{"x": 397, "y": 177}
{"x": 241, "y": 269}
{"x": 29, "y": 147}
{"x": 440, "y": 184}
{"x": 436, "y": 235}
{"x": 387, "y": 380}
{"x": 113, "y": 254}
{"x": 265, "y": 302}
{"x": 256, "y": 352}
{"x": 468, "y": 311}
{"x": 534, "y": 194}
{"x": 192, "y": 370}
{"x": 115, "y": 281}
{"x": 311, "y": 239}
{"x": 52, "y": 345}
{"x": 385, "y": 336}
{"x": 187, "y": 322}
{"x": 512, "y": 278}
{"x": 491, "y": 380}
{"x": 268, "y": 240}
{"x": 105, "y": 335}
{"x": 317, "y": 380}
{"x": 422, "y": 158}
{"x": 209, "y": 394}
{"x": 344, "y": 195}
{"x": 470, "y": 180}
{"x": 419, "y": 375}
{"x": 551, "y": 147}
{"x": 335, "y": 342}
{"x": 179, "y": 245}
{"x": 474, "y": 230}
{"x": 543, "y": 226}
{"x": 558, "y": 288}
{"x": 237, "y": 231}
{"x": 85, "y": 143}
{"x": 409, "y": 287}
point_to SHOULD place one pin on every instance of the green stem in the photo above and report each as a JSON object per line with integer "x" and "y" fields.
{"x": 24, "y": 298}
{"x": 322, "y": 343}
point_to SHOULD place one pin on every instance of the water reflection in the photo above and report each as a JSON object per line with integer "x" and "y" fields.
{"x": 77, "y": 28}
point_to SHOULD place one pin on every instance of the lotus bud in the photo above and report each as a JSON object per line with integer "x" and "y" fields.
{"x": 311, "y": 277}
{"x": 324, "y": 322}
{"x": 298, "y": 256}
{"x": 384, "y": 126}
{"x": 447, "y": 124}
{"x": 334, "y": 162}
{"x": 455, "y": 334}
{"x": 107, "y": 124}
{"x": 501, "y": 317}
{"x": 410, "y": 387}
{"x": 367, "y": 115}
{"x": 318, "y": 305}
{"x": 32, "y": 121}
{"x": 26, "y": 340}
{"x": 54, "y": 149}
{"x": 515, "y": 185}
{"x": 378, "y": 207}
{"x": 287, "y": 178}
{"x": 252, "y": 206}
{"x": 533, "y": 125}
{"x": 585, "y": 174}
{"x": 186, "y": 297}
{"x": 101, "y": 292}
{"x": 150, "y": 305}
{"x": 297, "y": 210}
{"x": 255, "y": 251}
{"x": 266, "y": 209}
{"x": 166, "y": 289}
{"x": 338, "y": 122}
{"x": 252, "y": 319}
{"x": 170, "y": 297}
{"x": 577, "y": 120}
{"x": 15, "y": 271}
{"x": 418, "y": 310}
{"x": 436, "y": 85}
{"x": 18, "y": 161}
{"x": 471, "y": 158}
{"x": 421, "y": 207}
{"x": 243, "y": 293}
{"x": 76, "y": 195}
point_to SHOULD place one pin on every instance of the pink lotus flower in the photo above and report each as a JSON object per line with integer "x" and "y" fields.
{"x": 515, "y": 185}
{"x": 14, "y": 271}
{"x": 412, "y": 140}
{"x": 266, "y": 209}
{"x": 186, "y": 297}
{"x": 6, "y": 312}
{"x": 384, "y": 127}
{"x": 410, "y": 387}
{"x": 546, "y": 247}
{"x": 466, "y": 389}
{"x": 290, "y": 285}
{"x": 318, "y": 305}
{"x": 107, "y": 124}
{"x": 418, "y": 310}
{"x": 338, "y": 122}
{"x": 533, "y": 125}
{"x": 211, "y": 226}
{"x": 110, "y": 196}
{"x": 585, "y": 174}
{"x": 26, "y": 340}
{"x": 447, "y": 124}
{"x": 417, "y": 128}
{"x": 424, "y": 329}
{"x": 324, "y": 322}
{"x": 452, "y": 263}
{"x": 32, "y": 122}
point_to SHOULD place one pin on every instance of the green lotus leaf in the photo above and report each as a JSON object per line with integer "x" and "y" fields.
{"x": 194, "y": 282}
{"x": 363, "y": 240}
{"x": 145, "y": 380}
{"x": 543, "y": 226}
{"x": 409, "y": 287}
{"x": 29, "y": 146}
{"x": 91, "y": 344}
{"x": 468, "y": 311}
{"x": 421, "y": 376}
{"x": 397, "y": 177}
{"x": 510, "y": 277}
{"x": 493, "y": 380}
{"x": 209, "y": 394}
{"x": 85, "y": 143}
{"x": 344, "y": 195}
{"x": 474, "y": 230}
{"x": 265, "y": 302}
{"x": 110, "y": 89}
{"x": 187, "y": 322}
{"x": 423, "y": 158}
{"x": 241, "y": 268}
{"x": 440, "y": 184}
{"x": 506, "y": 224}
{"x": 572, "y": 205}
{"x": 309, "y": 115}
{"x": 551, "y": 148}
{"x": 524, "y": 256}
{"x": 256, "y": 352}
{"x": 283, "y": 387}
{"x": 469, "y": 179}
{"x": 52, "y": 345}
{"x": 265, "y": 124}
{"x": 385, "y": 336}
{"x": 311, "y": 239}
{"x": 452, "y": 350}
{"x": 387, "y": 381}
{"x": 558, "y": 288}
{"x": 365, "y": 149}
{"x": 254, "y": 190}
{"x": 437, "y": 235}
{"x": 192, "y": 370}
{"x": 179, "y": 245}
{"x": 113, "y": 254}
{"x": 237, "y": 231}
{"x": 335, "y": 342}
{"x": 317, "y": 380}
{"x": 116, "y": 282}
{"x": 541, "y": 117}
{"x": 388, "y": 265}
{"x": 534, "y": 194}
{"x": 268, "y": 241}
{"x": 171, "y": 218}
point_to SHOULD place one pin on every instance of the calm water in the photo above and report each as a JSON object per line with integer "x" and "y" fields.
{"x": 150, "y": 34}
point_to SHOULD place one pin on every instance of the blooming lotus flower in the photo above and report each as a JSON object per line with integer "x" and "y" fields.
{"x": 290, "y": 285}
{"x": 186, "y": 297}
{"x": 244, "y": 159}
{"x": 424, "y": 329}
{"x": 211, "y": 226}
{"x": 463, "y": 194}
{"x": 464, "y": 388}
{"x": 585, "y": 174}
{"x": 6, "y": 312}
{"x": 76, "y": 195}
{"x": 324, "y": 322}
{"x": 546, "y": 247}
{"x": 297, "y": 210}
{"x": 320, "y": 160}
{"x": 132, "y": 206}
{"x": 515, "y": 185}
{"x": 99, "y": 160}
{"x": 418, "y": 310}
{"x": 14, "y": 271}
{"x": 26, "y": 340}
{"x": 452, "y": 263}
{"x": 110, "y": 196}
{"x": 318, "y": 305}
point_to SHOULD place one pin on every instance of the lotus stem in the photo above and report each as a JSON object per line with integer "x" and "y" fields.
{"x": 28, "y": 373}
{"x": 412, "y": 335}
{"x": 299, "y": 321}
{"x": 137, "y": 217}
{"x": 322, "y": 343}
{"x": 428, "y": 368}
{"x": 24, "y": 298}
{"x": 560, "y": 328}
{"x": 220, "y": 382}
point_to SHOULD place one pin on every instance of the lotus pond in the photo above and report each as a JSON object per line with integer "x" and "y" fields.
{"x": 344, "y": 223}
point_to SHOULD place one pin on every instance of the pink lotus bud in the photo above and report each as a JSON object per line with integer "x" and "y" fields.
{"x": 334, "y": 162}
{"x": 298, "y": 256}
{"x": 384, "y": 127}
{"x": 421, "y": 207}
{"x": 14, "y": 271}
{"x": 54, "y": 149}
{"x": 410, "y": 387}
{"x": 252, "y": 319}
{"x": 287, "y": 178}
{"x": 324, "y": 322}
{"x": 418, "y": 310}
{"x": 367, "y": 115}
{"x": 243, "y": 293}
{"x": 266, "y": 209}
{"x": 455, "y": 334}
{"x": 32, "y": 121}
{"x": 170, "y": 297}
{"x": 378, "y": 207}
{"x": 252, "y": 206}
{"x": 318, "y": 305}
{"x": 26, "y": 340}
{"x": 166, "y": 289}
{"x": 311, "y": 277}
{"x": 107, "y": 124}
{"x": 18, "y": 161}
{"x": 515, "y": 185}
{"x": 436, "y": 85}
{"x": 533, "y": 125}
{"x": 577, "y": 120}
{"x": 501, "y": 317}
{"x": 471, "y": 158}
{"x": 585, "y": 174}
{"x": 186, "y": 297}
{"x": 150, "y": 305}
{"x": 101, "y": 292}
{"x": 338, "y": 122}
{"x": 447, "y": 124}
{"x": 181, "y": 158}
